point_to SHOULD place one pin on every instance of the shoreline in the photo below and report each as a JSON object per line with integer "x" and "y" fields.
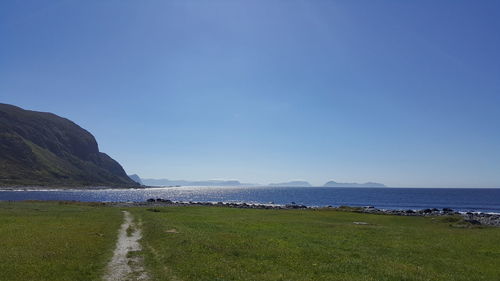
{"x": 386, "y": 207}
{"x": 472, "y": 218}
{"x": 469, "y": 218}
{"x": 121, "y": 187}
{"x": 69, "y": 188}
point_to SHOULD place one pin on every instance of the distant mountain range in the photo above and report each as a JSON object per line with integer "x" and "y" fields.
{"x": 43, "y": 149}
{"x": 167, "y": 182}
{"x": 352, "y": 184}
{"x": 292, "y": 184}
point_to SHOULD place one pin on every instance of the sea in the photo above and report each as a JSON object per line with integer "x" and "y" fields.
{"x": 459, "y": 199}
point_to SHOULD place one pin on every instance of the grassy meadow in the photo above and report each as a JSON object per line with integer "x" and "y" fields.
{"x": 245, "y": 244}
{"x": 55, "y": 241}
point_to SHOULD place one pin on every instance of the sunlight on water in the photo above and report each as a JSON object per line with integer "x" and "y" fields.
{"x": 486, "y": 200}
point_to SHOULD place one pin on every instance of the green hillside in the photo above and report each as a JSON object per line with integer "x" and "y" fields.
{"x": 38, "y": 148}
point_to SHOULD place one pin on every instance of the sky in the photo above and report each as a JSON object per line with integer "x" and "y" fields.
{"x": 406, "y": 93}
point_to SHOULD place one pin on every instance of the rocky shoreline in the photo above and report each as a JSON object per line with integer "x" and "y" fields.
{"x": 469, "y": 218}
{"x": 473, "y": 218}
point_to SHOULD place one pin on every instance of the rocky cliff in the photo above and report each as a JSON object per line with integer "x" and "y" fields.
{"x": 38, "y": 148}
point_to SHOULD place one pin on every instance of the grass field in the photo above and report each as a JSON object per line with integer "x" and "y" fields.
{"x": 52, "y": 241}
{"x": 242, "y": 244}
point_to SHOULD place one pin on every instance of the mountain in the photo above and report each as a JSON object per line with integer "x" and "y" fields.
{"x": 43, "y": 149}
{"x": 292, "y": 184}
{"x": 167, "y": 182}
{"x": 341, "y": 184}
{"x": 135, "y": 178}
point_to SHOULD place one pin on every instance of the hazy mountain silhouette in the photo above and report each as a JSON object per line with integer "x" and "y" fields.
{"x": 135, "y": 178}
{"x": 353, "y": 184}
{"x": 167, "y": 182}
{"x": 292, "y": 184}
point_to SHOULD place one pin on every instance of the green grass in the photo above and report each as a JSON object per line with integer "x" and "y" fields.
{"x": 58, "y": 241}
{"x": 242, "y": 244}
{"x": 53, "y": 241}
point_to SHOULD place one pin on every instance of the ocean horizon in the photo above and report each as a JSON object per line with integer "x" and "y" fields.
{"x": 459, "y": 199}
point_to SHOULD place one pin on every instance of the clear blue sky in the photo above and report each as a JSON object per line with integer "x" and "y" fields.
{"x": 406, "y": 93}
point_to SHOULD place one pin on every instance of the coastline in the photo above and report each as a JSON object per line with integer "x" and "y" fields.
{"x": 467, "y": 219}
{"x": 64, "y": 187}
{"x": 470, "y": 218}
{"x": 125, "y": 187}
{"x": 397, "y": 200}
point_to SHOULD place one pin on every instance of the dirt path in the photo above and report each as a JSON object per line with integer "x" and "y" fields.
{"x": 127, "y": 263}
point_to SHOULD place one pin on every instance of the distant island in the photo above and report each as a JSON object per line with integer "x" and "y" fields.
{"x": 352, "y": 184}
{"x": 43, "y": 149}
{"x": 167, "y": 182}
{"x": 292, "y": 184}
{"x": 297, "y": 183}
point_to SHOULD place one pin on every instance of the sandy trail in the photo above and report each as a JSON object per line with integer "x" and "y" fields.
{"x": 126, "y": 264}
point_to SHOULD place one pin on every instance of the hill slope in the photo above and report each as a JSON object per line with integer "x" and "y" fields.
{"x": 38, "y": 148}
